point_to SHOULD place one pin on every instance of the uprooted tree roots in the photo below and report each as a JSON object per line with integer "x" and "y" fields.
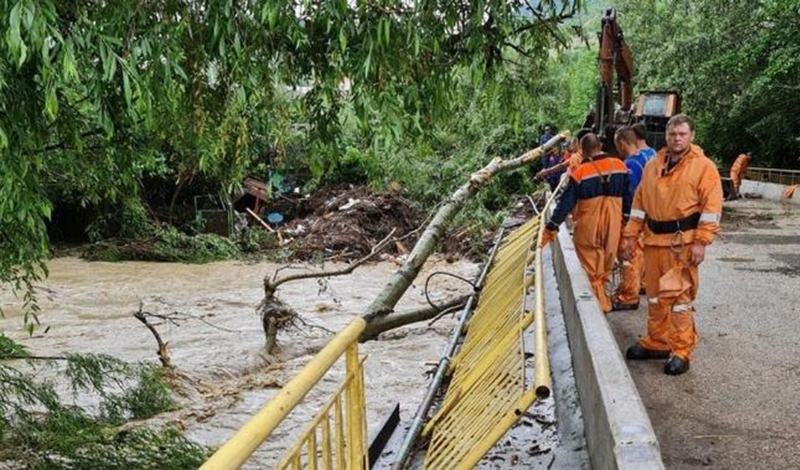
{"x": 276, "y": 315}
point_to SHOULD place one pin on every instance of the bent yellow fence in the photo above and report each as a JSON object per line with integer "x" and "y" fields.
{"x": 487, "y": 394}
{"x": 488, "y": 391}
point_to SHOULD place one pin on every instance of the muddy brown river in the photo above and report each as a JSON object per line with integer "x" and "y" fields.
{"x": 224, "y": 375}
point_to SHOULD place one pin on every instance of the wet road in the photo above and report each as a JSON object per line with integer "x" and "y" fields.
{"x": 738, "y": 406}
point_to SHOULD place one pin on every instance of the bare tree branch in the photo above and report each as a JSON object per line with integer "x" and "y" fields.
{"x": 163, "y": 347}
{"x": 273, "y": 284}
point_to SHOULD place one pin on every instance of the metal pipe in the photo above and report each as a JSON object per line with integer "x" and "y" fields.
{"x": 542, "y": 382}
{"x": 444, "y": 364}
{"x": 239, "y": 447}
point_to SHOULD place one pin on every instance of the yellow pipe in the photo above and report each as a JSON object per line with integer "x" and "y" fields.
{"x": 542, "y": 382}
{"x": 239, "y": 448}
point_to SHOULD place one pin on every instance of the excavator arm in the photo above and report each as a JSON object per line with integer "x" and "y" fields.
{"x": 614, "y": 58}
{"x": 653, "y": 108}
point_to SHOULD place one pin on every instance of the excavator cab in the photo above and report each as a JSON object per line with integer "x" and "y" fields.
{"x": 653, "y": 109}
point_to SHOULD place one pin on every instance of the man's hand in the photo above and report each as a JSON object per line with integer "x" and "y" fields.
{"x": 541, "y": 174}
{"x": 697, "y": 253}
{"x": 547, "y": 237}
{"x": 626, "y": 248}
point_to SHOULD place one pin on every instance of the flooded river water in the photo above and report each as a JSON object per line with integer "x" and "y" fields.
{"x": 224, "y": 375}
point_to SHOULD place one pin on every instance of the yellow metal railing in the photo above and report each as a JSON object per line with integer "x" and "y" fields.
{"x": 489, "y": 391}
{"x": 318, "y": 447}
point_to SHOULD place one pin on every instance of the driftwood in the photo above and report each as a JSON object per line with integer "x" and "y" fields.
{"x": 172, "y": 318}
{"x": 274, "y": 312}
{"x": 384, "y": 303}
{"x": 163, "y": 347}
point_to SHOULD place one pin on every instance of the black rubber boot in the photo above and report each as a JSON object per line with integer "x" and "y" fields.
{"x": 638, "y": 353}
{"x": 618, "y": 307}
{"x": 676, "y": 366}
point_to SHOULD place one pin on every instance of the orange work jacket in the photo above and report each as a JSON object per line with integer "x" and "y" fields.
{"x": 739, "y": 167}
{"x": 691, "y": 188}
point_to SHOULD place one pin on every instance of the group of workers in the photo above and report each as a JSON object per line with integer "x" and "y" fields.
{"x": 655, "y": 213}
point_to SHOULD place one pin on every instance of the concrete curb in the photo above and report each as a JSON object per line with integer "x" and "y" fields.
{"x": 618, "y": 431}
{"x": 768, "y": 191}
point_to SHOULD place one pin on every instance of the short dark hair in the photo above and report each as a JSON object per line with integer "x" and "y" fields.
{"x": 589, "y": 143}
{"x": 641, "y": 130}
{"x": 679, "y": 119}
{"x": 626, "y": 134}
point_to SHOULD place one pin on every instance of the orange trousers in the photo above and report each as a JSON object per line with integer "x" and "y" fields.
{"x": 736, "y": 182}
{"x": 596, "y": 244}
{"x": 670, "y": 322}
{"x": 632, "y": 276}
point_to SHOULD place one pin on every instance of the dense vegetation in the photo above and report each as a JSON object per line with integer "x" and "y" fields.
{"x": 113, "y": 114}
{"x": 105, "y": 107}
{"x": 39, "y": 429}
{"x": 737, "y": 64}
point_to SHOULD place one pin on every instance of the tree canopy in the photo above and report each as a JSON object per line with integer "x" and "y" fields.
{"x": 94, "y": 96}
{"x": 737, "y": 65}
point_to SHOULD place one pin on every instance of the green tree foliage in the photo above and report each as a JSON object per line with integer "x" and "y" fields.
{"x": 737, "y": 64}
{"x": 39, "y": 429}
{"x": 93, "y": 96}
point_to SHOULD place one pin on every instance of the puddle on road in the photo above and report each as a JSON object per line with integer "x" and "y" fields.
{"x": 223, "y": 377}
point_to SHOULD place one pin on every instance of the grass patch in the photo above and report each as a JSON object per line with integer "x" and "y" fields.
{"x": 167, "y": 244}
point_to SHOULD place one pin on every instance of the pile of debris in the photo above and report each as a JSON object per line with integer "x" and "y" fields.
{"x": 347, "y": 221}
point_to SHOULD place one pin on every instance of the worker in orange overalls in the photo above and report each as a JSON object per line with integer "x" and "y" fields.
{"x": 738, "y": 171}
{"x": 598, "y": 191}
{"x": 678, "y": 204}
{"x": 636, "y": 154}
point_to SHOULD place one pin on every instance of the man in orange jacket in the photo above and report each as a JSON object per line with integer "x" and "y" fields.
{"x": 678, "y": 205}
{"x": 598, "y": 191}
{"x": 738, "y": 170}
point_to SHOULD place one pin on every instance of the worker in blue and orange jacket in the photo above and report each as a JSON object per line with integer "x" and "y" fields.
{"x": 598, "y": 191}
{"x": 678, "y": 206}
{"x": 636, "y": 153}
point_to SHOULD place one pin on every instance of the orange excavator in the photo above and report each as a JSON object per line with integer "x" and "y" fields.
{"x": 614, "y": 105}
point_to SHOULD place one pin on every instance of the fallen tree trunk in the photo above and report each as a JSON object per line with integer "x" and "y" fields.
{"x": 389, "y": 322}
{"x": 384, "y": 303}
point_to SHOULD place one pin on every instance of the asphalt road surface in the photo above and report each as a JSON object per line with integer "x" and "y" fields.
{"x": 739, "y": 405}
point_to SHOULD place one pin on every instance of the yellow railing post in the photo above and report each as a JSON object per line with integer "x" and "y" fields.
{"x": 236, "y": 451}
{"x": 356, "y": 416}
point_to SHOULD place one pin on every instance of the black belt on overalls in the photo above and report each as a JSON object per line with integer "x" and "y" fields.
{"x": 672, "y": 226}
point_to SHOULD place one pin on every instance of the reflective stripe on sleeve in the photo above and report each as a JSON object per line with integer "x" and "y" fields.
{"x": 709, "y": 217}
{"x": 637, "y": 214}
{"x": 682, "y": 308}
{"x": 653, "y": 300}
